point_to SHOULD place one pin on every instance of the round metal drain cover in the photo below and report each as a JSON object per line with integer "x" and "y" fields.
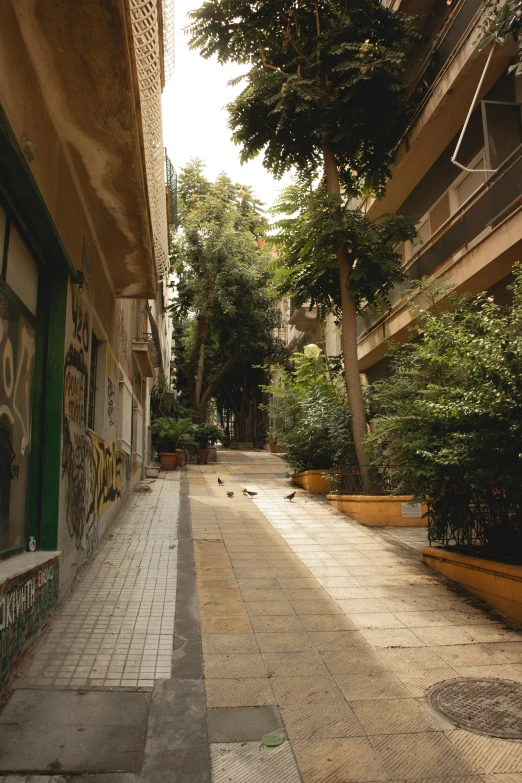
{"x": 485, "y": 706}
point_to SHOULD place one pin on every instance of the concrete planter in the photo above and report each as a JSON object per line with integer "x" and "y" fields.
{"x": 499, "y": 584}
{"x": 380, "y": 510}
{"x": 212, "y": 454}
{"x": 313, "y": 481}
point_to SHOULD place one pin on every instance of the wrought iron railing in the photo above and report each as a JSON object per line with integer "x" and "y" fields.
{"x": 498, "y": 198}
{"x": 155, "y": 355}
{"x": 488, "y": 522}
{"x": 383, "y": 480}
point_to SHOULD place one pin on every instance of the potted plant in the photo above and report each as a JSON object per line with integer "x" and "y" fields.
{"x": 273, "y": 445}
{"x": 207, "y": 435}
{"x": 170, "y": 438}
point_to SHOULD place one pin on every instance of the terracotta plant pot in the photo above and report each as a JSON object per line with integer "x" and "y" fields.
{"x": 168, "y": 460}
{"x": 180, "y": 458}
{"x": 203, "y": 456}
{"x": 275, "y": 448}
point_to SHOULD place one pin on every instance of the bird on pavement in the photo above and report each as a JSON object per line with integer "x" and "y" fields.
{"x": 291, "y": 496}
{"x": 220, "y": 482}
{"x": 252, "y": 494}
{"x": 245, "y": 491}
{"x": 230, "y": 494}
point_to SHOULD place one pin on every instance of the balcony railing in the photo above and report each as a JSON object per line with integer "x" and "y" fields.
{"x": 495, "y": 200}
{"x": 444, "y": 46}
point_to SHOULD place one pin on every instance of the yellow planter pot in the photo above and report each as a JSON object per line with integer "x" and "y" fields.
{"x": 313, "y": 481}
{"x": 381, "y": 510}
{"x": 499, "y": 584}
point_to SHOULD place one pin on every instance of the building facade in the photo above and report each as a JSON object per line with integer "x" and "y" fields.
{"x": 84, "y": 327}
{"x": 469, "y": 219}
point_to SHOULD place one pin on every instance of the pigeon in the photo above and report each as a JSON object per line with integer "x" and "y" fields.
{"x": 220, "y": 482}
{"x": 291, "y": 496}
{"x": 245, "y": 491}
{"x": 230, "y": 494}
{"x": 252, "y": 494}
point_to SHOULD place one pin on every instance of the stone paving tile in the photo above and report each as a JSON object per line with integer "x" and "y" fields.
{"x": 320, "y": 720}
{"x": 395, "y": 716}
{"x": 431, "y": 751}
{"x": 246, "y": 692}
{"x": 115, "y": 628}
{"x": 251, "y": 762}
{"x": 340, "y": 760}
{"x": 488, "y": 754}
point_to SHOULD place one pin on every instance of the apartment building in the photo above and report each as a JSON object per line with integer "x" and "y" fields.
{"x": 469, "y": 220}
{"x": 84, "y": 329}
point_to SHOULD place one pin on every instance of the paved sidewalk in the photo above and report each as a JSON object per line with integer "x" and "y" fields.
{"x": 300, "y": 651}
{"x": 333, "y": 631}
{"x": 116, "y": 627}
{"x": 101, "y": 673}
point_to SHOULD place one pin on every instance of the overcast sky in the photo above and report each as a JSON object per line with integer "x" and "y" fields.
{"x": 195, "y": 123}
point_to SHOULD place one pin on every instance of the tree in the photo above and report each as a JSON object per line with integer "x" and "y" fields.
{"x": 500, "y": 22}
{"x": 222, "y": 305}
{"x": 324, "y": 93}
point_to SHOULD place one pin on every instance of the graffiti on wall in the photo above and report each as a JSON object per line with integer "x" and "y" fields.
{"x": 80, "y": 320}
{"x": 111, "y": 402}
{"x": 75, "y": 385}
{"x": 17, "y": 349}
{"x": 112, "y": 386}
{"x": 25, "y": 603}
{"x": 91, "y": 467}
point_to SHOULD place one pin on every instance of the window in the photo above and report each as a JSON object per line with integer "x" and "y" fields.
{"x": 92, "y": 382}
{"x": 502, "y": 131}
{"x": 468, "y": 182}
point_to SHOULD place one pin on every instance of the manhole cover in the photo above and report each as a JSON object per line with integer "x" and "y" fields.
{"x": 485, "y": 706}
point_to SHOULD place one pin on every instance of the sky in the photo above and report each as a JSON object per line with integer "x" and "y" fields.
{"x": 195, "y": 122}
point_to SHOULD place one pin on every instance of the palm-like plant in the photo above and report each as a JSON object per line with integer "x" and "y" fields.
{"x": 169, "y": 434}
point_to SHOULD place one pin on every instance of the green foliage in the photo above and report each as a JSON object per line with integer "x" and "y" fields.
{"x": 449, "y": 418}
{"x": 163, "y": 401}
{"x": 222, "y": 308}
{"x": 319, "y": 72}
{"x": 310, "y": 415}
{"x": 313, "y": 226}
{"x": 503, "y": 21}
{"x": 169, "y": 434}
{"x": 208, "y": 435}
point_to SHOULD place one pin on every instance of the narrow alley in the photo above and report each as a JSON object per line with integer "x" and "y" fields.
{"x": 316, "y": 643}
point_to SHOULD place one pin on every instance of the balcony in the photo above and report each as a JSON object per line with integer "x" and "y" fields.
{"x": 480, "y": 240}
{"x": 146, "y": 355}
{"x": 443, "y": 46}
{"x": 303, "y": 318}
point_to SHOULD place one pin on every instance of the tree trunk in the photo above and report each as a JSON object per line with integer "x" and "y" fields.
{"x": 199, "y": 374}
{"x": 349, "y": 334}
{"x": 197, "y": 352}
{"x": 211, "y": 388}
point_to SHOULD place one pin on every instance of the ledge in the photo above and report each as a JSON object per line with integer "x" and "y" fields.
{"x": 380, "y": 510}
{"x": 17, "y": 565}
{"x": 499, "y": 584}
{"x": 313, "y": 481}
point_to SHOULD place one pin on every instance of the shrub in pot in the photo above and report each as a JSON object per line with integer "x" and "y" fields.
{"x": 206, "y": 435}
{"x": 308, "y": 402}
{"x": 170, "y": 437}
{"x": 449, "y": 418}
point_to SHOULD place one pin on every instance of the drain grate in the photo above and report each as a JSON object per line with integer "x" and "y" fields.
{"x": 485, "y": 706}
